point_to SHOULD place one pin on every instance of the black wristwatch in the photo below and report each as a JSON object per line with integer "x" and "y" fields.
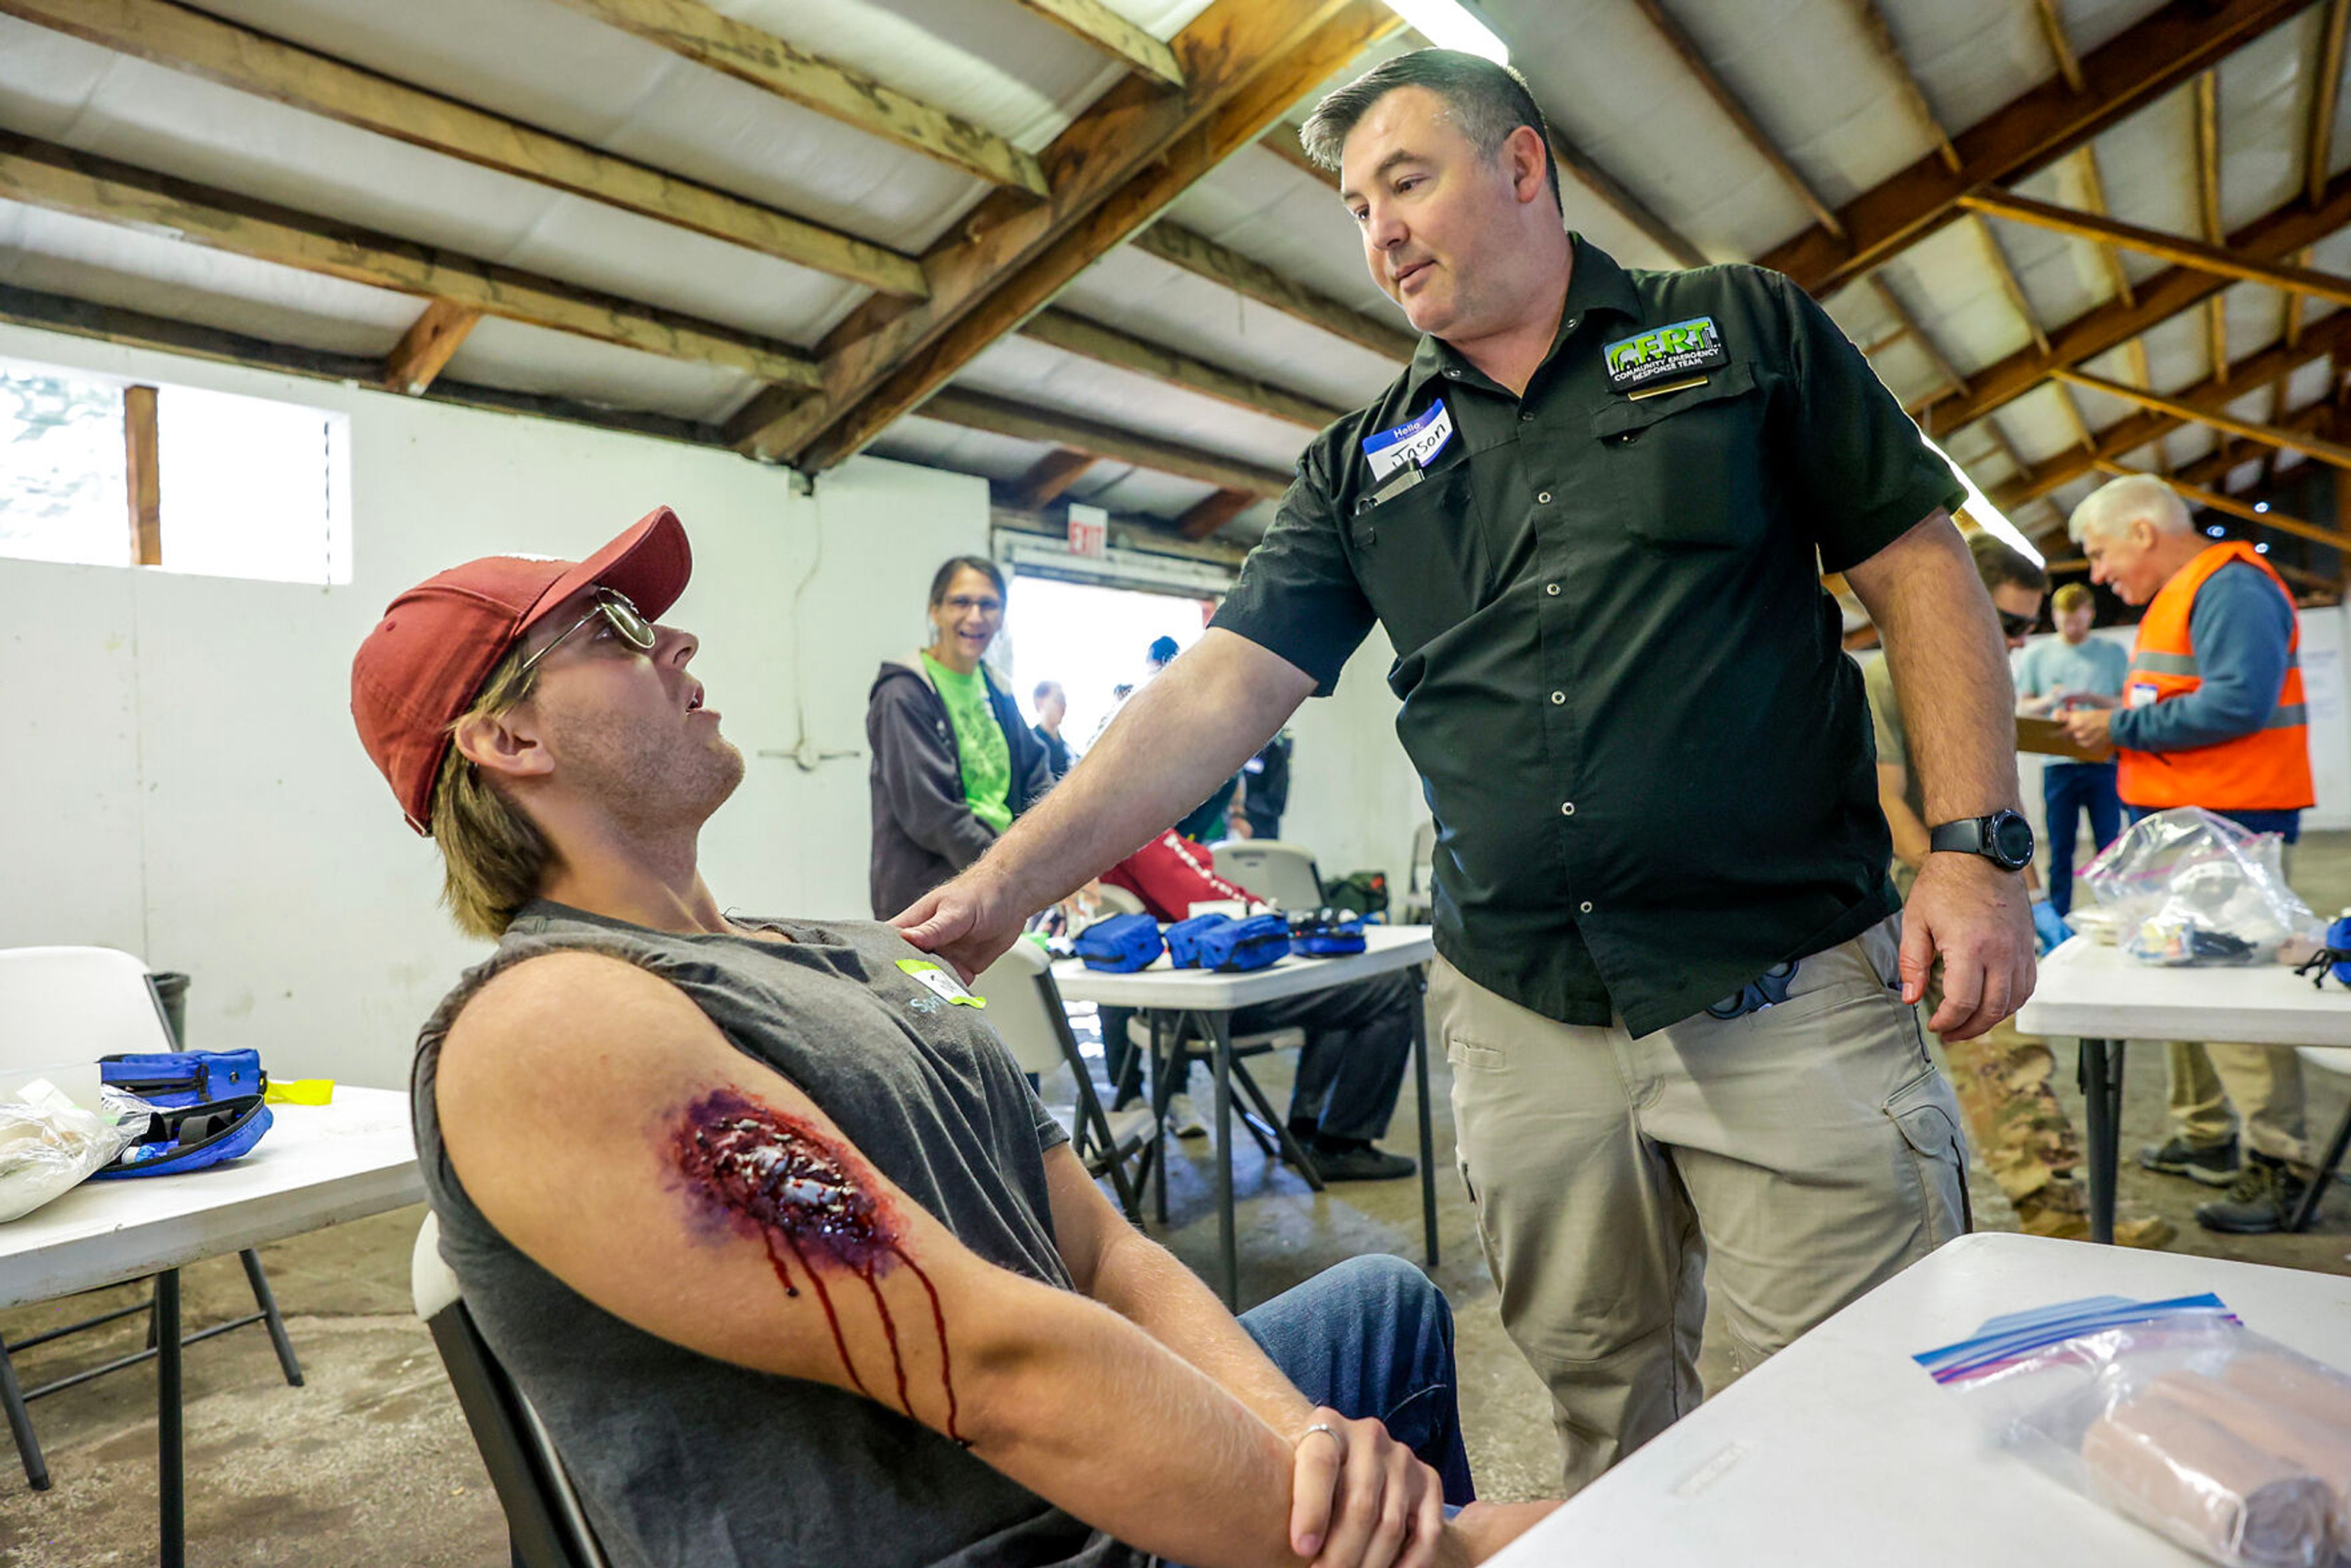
{"x": 2003, "y": 838}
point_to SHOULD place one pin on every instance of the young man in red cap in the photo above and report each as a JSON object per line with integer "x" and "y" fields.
{"x": 761, "y": 1216}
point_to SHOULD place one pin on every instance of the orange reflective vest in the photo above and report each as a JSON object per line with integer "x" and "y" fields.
{"x": 2267, "y": 770}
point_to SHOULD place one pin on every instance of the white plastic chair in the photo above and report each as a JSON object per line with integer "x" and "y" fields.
{"x": 61, "y": 1008}
{"x": 545, "y": 1523}
{"x": 1025, "y": 1007}
{"x": 2326, "y": 1059}
{"x": 1271, "y": 869}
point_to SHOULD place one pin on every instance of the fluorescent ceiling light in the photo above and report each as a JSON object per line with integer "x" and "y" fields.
{"x": 1450, "y": 25}
{"x": 1988, "y": 517}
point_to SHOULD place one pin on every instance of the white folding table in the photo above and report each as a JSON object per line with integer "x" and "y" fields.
{"x": 1840, "y": 1452}
{"x": 2103, "y": 996}
{"x": 1172, "y": 995}
{"x": 318, "y": 1166}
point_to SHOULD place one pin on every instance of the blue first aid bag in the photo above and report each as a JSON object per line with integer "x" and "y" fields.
{"x": 1238, "y": 946}
{"x": 1185, "y": 936}
{"x": 208, "y": 1108}
{"x": 1325, "y": 934}
{"x": 1121, "y": 944}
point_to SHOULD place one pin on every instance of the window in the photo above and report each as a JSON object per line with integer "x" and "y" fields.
{"x": 102, "y": 473}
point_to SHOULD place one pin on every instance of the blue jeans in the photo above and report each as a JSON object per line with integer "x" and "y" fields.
{"x": 2067, "y": 790}
{"x": 1371, "y": 1336}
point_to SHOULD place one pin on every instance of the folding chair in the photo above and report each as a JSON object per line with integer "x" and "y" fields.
{"x": 64, "y": 1008}
{"x": 1025, "y": 1006}
{"x": 545, "y": 1526}
{"x": 1420, "y": 888}
{"x": 2329, "y": 1059}
{"x": 1271, "y": 869}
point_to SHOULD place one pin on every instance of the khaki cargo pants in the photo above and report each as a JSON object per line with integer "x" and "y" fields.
{"x": 1791, "y": 1159}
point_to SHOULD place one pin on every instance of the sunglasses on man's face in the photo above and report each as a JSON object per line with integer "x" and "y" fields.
{"x": 2018, "y": 625}
{"x": 619, "y": 614}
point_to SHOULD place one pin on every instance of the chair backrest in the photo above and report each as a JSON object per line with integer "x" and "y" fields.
{"x": 1272, "y": 869}
{"x": 1016, "y": 1007}
{"x": 61, "y": 1008}
{"x": 545, "y": 1522}
{"x": 1116, "y": 900}
{"x": 1424, "y": 857}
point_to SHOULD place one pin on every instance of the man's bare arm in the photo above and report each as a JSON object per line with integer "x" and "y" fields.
{"x": 1950, "y": 676}
{"x": 674, "y": 1139}
{"x": 1175, "y": 741}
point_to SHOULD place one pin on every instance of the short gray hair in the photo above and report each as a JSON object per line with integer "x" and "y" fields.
{"x": 2114, "y": 505}
{"x": 1485, "y": 102}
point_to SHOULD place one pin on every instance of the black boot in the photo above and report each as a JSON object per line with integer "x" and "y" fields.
{"x": 2215, "y": 1166}
{"x": 2259, "y": 1201}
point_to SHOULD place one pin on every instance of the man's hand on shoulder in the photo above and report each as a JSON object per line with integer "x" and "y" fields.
{"x": 968, "y": 921}
{"x": 1976, "y": 918}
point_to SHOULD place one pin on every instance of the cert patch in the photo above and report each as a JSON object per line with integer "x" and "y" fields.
{"x": 1677, "y": 350}
{"x": 1416, "y": 442}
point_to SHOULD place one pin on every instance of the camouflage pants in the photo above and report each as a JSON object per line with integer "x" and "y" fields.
{"x": 2003, "y": 1080}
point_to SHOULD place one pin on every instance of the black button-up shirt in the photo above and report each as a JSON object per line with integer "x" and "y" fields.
{"x": 1648, "y": 755}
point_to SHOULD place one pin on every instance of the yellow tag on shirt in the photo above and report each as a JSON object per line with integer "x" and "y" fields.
{"x": 941, "y": 982}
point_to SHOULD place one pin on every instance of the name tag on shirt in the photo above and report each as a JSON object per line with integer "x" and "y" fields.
{"x": 1416, "y": 442}
{"x": 1677, "y": 350}
{"x": 940, "y": 982}
{"x": 2142, "y": 695}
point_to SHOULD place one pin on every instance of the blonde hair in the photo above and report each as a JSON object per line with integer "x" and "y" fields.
{"x": 2072, "y": 597}
{"x": 492, "y": 854}
{"x": 2114, "y": 505}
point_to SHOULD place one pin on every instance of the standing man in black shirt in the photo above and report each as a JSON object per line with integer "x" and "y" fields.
{"x": 1052, "y": 705}
{"x": 1592, "y": 515}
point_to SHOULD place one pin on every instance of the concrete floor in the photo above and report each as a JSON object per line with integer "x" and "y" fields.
{"x": 369, "y": 1464}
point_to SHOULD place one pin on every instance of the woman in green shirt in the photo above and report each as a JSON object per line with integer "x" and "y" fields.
{"x": 953, "y": 762}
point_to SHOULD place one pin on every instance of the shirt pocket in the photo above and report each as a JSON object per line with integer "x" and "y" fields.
{"x": 1684, "y": 470}
{"x": 1420, "y": 557}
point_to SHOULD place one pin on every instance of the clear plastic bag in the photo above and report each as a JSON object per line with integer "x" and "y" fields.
{"x": 2176, "y": 1415}
{"x": 50, "y": 1144}
{"x": 2186, "y": 886}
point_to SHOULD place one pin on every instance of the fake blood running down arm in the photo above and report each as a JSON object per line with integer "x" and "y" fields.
{"x": 756, "y": 1232}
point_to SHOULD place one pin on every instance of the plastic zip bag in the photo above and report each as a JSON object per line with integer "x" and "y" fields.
{"x": 2187, "y": 887}
{"x": 2174, "y": 1414}
{"x": 50, "y": 1144}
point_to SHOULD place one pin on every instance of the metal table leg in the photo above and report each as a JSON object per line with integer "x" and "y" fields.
{"x": 171, "y": 1489}
{"x": 2101, "y": 1079}
{"x": 268, "y": 1302}
{"x": 20, "y": 1425}
{"x": 1220, "y": 1028}
{"x": 1162, "y": 1090}
{"x": 1427, "y": 1132}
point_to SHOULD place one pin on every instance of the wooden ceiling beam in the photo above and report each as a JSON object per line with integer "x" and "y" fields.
{"x": 2208, "y": 203}
{"x": 1917, "y": 332}
{"x": 1881, "y": 38}
{"x": 2094, "y": 190}
{"x": 1245, "y": 63}
{"x": 1112, "y": 34}
{"x": 2129, "y": 72}
{"x": 137, "y": 329}
{"x": 2313, "y": 447}
{"x": 1282, "y": 142}
{"x": 1203, "y": 258}
{"x": 2221, "y": 260}
{"x": 2128, "y": 434}
{"x": 197, "y": 45}
{"x": 2319, "y": 144}
{"x": 2011, "y": 285}
{"x": 1074, "y": 334}
{"x": 1743, "y": 120}
{"x": 1211, "y": 513}
{"x": 41, "y": 174}
{"x": 2053, "y": 27}
{"x": 1613, "y": 193}
{"x": 427, "y": 347}
{"x": 1051, "y": 475}
{"x": 2268, "y": 239}
{"x": 693, "y": 31}
{"x": 2213, "y": 500}
{"x": 1027, "y": 421}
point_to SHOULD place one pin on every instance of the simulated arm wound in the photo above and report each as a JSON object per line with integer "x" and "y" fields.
{"x": 807, "y": 1198}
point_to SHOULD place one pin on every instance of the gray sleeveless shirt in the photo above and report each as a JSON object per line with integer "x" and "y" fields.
{"x": 685, "y": 1461}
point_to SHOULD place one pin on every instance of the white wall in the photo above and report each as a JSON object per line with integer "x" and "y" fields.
{"x": 1354, "y": 798}
{"x": 179, "y": 776}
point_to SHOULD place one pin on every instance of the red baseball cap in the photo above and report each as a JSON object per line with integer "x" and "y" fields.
{"x": 420, "y": 668}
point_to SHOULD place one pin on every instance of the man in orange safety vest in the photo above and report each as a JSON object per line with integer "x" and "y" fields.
{"x": 2211, "y": 715}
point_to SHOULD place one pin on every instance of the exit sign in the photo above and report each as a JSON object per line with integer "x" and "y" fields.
{"x": 1089, "y": 530}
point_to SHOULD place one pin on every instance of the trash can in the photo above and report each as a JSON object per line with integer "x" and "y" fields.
{"x": 171, "y": 990}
